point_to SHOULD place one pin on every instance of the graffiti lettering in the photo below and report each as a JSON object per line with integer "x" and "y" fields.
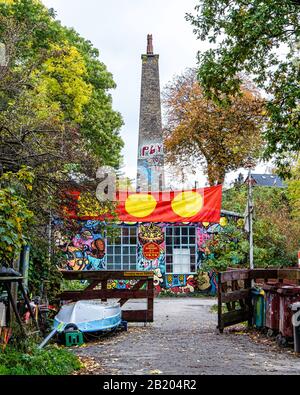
{"x": 148, "y": 151}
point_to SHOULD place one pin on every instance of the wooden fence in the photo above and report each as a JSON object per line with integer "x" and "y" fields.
{"x": 97, "y": 288}
{"x": 234, "y": 292}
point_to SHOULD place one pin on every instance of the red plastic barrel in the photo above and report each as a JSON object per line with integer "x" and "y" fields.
{"x": 287, "y": 296}
{"x": 272, "y": 306}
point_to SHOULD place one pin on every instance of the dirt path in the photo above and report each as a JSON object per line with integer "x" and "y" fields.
{"x": 183, "y": 340}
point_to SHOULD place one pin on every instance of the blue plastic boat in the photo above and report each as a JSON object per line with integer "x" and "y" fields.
{"x": 89, "y": 316}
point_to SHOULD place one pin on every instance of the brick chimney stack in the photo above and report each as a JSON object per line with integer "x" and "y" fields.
{"x": 150, "y": 166}
{"x": 150, "y": 44}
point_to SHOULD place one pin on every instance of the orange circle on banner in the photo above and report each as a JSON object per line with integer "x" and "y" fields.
{"x": 151, "y": 251}
{"x": 187, "y": 204}
{"x": 140, "y": 205}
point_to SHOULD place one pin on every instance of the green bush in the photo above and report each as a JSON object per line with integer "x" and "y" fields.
{"x": 50, "y": 361}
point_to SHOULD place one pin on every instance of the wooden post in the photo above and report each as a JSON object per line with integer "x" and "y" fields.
{"x": 104, "y": 287}
{"x": 150, "y": 301}
{"x": 14, "y": 286}
{"x": 248, "y": 284}
{"x": 220, "y": 321}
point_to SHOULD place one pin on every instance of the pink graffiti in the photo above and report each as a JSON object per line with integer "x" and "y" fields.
{"x": 151, "y": 150}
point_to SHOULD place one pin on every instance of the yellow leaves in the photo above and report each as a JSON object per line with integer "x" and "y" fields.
{"x": 62, "y": 79}
{"x": 89, "y": 206}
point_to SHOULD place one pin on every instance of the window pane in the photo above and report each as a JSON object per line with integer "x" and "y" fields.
{"x": 169, "y": 231}
{"x": 193, "y": 250}
{"x": 126, "y": 267}
{"x": 181, "y": 260}
{"x": 133, "y": 240}
{"x": 192, "y": 231}
{"x": 169, "y": 259}
{"x": 169, "y": 240}
{"x": 169, "y": 250}
{"x": 132, "y": 258}
{"x": 185, "y": 240}
{"x": 177, "y": 241}
{"x": 116, "y": 241}
{"x": 125, "y": 231}
{"x": 125, "y": 240}
{"x": 132, "y": 250}
{"x": 185, "y": 231}
{"x": 177, "y": 231}
{"x": 192, "y": 240}
{"x": 118, "y": 259}
{"x": 110, "y": 250}
{"x": 118, "y": 250}
{"x": 169, "y": 268}
{"x": 125, "y": 250}
{"x": 125, "y": 259}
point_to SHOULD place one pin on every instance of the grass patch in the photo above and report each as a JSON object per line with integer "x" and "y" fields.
{"x": 50, "y": 361}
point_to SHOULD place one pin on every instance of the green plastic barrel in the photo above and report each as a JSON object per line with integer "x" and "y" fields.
{"x": 259, "y": 304}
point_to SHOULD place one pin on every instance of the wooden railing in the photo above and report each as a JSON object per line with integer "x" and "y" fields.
{"x": 97, "y": 288}
{"x": 234, "y": 292}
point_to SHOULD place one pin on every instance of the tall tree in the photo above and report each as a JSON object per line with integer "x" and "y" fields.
{"x": 251, "y": 36}
{"x": 56, "y": 113}
{"x": 294, "y": 191}
{"x": 199, "y": 131}
{"x": 56, "y": 109}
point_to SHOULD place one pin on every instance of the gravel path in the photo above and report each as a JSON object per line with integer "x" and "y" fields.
{"x": 183, "y": 340}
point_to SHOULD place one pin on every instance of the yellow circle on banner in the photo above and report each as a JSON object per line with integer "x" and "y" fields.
{"x": 223, "y": 222}
{"x": 140, "y": 205}
{"x": 187, "y": 204}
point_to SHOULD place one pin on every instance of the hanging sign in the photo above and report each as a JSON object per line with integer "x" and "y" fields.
{"x": 151, "y": 251}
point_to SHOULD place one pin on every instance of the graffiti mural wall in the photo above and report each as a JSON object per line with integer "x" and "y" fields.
{"x": 86, "y": 249}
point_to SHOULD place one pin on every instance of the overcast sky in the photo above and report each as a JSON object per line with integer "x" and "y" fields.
{"x": 119, "y": 28}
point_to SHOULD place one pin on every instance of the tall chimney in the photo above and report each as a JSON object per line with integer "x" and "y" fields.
{"x": 150, "y": 165}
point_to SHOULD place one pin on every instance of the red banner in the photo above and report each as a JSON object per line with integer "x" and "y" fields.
{"x": 201, "y": 205}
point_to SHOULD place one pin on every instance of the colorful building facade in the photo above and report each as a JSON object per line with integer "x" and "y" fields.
{"x": 174, "y": 251}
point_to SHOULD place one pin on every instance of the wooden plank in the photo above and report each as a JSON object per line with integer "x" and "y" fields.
{"x": 137, "y": 316}
{"x": 235, "y": 317}
{"x": 14, "y": 279}
{"x": 234, "y": 275}
{"x": 136, "y": 287}
{"x": 289, "y": 274}
{"x": 104, "y": 294}
{"x": 235, "y": 296}
{"x": 104, "y": 275}
{"x": 92, "y": 285}
{"x": 263, "y": 274}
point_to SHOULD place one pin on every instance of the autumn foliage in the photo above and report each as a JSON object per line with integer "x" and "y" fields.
{"x": 198, "y": 131}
